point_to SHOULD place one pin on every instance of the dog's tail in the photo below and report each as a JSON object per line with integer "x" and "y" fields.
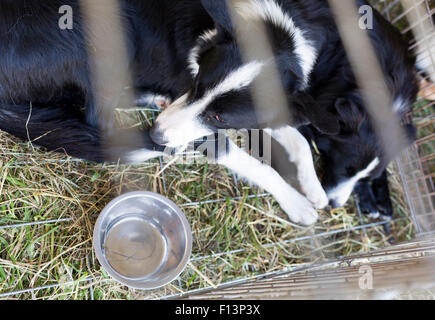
{"x": 61, "y": 129}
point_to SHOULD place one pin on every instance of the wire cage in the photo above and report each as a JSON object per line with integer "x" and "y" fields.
{"x": 240, "y": 235}
{"x": 416, "y": 165}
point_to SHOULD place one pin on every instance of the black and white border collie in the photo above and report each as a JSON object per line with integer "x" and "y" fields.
{"x": 186, "y": 52}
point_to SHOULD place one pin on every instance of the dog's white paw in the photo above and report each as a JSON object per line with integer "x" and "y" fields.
{"x": 299, "y": 210}
{"x": 314, "y": 191}
{"x": 318, "y": 197}
{"x": 374, "y": 215}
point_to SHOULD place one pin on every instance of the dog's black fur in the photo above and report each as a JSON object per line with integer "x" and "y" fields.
{"x": 45, "y": 78}
{"x": 46, "y": 91}
{"x": 374, "y": 197}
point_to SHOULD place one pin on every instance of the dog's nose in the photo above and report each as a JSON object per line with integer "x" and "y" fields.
{"x": 157, "y": 136}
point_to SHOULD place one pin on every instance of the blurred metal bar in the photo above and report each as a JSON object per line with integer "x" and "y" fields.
{"x": 267, "y": 90}
{"x": 367, "y": 69}
{"x": 110, "y": 66}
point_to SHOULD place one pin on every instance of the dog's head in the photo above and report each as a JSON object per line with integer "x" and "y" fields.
{"x": 359, "y": 151}
{"x": 355, "y": 153}
{"x": 220, "y": 96}
{"x": 218, "y": 99}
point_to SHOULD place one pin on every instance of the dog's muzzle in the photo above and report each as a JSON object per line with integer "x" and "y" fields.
{"x": 157, "y": 136}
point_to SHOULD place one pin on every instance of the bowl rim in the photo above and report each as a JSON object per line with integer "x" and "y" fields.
{"x": 106, "y": 265}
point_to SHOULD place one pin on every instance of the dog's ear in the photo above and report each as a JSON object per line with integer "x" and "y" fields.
{"x": 349, "y": 113}
{"x": 219, "y": 12}
{"x": 324, "y": 121}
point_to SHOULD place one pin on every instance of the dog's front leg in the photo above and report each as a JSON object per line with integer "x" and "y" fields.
{"x": 381, "y": 191}
{"x": 297, "y": 207}
{"x": 367, "y": 200}
{"x": 299, "y": 153}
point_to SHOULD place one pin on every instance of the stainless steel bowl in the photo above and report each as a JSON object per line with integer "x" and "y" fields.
{"x": 142, "y": 240}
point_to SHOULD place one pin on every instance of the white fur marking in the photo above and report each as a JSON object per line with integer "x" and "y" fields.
{"x": 374, "y": 215}
{"x": 341, "y": 193}
{"x": 192, "y": 60}
{"x": 238, "y": 79}
{"x": 400, "y": 106}
{"x": 269, "y": 10}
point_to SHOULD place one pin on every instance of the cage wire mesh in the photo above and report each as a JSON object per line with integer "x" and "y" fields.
{"x": 49, "y": 204}
{"x": 416, "y": 165}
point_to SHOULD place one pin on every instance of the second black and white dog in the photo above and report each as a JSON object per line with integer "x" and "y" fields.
{"x": 186, "y": 52}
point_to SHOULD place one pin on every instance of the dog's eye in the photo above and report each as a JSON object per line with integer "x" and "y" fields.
{"x": 218, "y": 118}
{"x": 214, "y": 118}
